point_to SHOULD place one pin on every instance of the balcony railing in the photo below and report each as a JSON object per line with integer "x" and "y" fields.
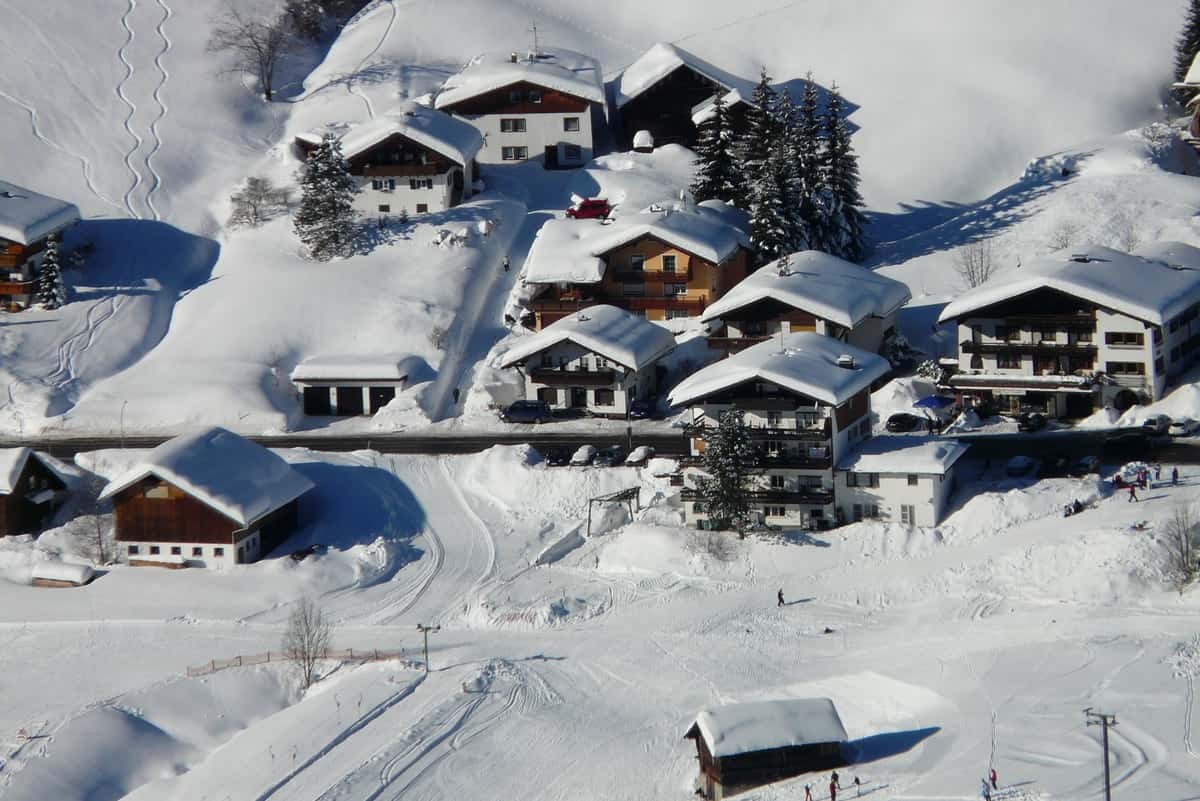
{"x": 552, "y": 377}
{"x": 811, "y": 497}
{"x": 674, "y": 303}
{"x": 821, "y": 434}
{"x": 1074, "y": 322}
{"x": 763, "y": 461}
{"x": 401, "y": 170}
{"x": 18, "y": 287}
{"x": 628, "y": 276}
{"x": 1029, "y": 348}
{"x": 562, "y": 304}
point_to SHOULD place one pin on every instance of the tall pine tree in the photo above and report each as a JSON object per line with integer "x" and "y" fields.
{"x": 771, "y": 223}
{"x": 762, "y": 129}
{"x": 1188, "y": 44}
{"x": 813, "y": 212}
{"x": 51, "y": 292}
{"x": 324, "y": 220}
{"x": 793, "y": 191}
{"x": 718, "y": 175}
{"x": 840, "y": 176}
{"x": 728, "y": 455}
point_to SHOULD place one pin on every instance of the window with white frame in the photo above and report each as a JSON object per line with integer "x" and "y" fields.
{"x": 778, "y": 482}
{"x": 674, "y": 290}
{"x": 512, "y": 125}
{"x": 908, "y": 515}
{"x": 677, "y": 314}
{"x": 514, "y": 153}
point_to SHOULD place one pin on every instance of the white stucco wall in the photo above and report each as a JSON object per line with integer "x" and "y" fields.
{"x": 928, "y": 497}
{"x": 208, "y": 558}
{"x": 541, "y": 130}
{"x": 437, "y": 198}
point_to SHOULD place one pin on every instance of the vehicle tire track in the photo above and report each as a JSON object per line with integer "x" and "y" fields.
{"x": 162, "y": 106}
{"x": 120, "y": 92}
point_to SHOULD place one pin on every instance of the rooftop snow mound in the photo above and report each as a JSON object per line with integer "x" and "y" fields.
{"x": 620, "y": 336}
{"x": 661, "y": 60}
{"x": 804, "y": 363}
{"x": 571, "y": 251}
{"x": 69, "y": 572}
{"x": 27, "y": 217}
{"x": 334, "y": 367}
{"x": 1141, "y": 286}
{"x": 436, "y": 130}
{"x": 902, "y": 454}
{"x": 820, "y": 284}
{"x": 238, "y": 478}
{"x": 744, "y": 728}
{"x": 552, "y": 68}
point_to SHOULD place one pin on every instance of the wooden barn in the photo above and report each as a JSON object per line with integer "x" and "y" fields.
{"x": 27, "y": 221}
{"x": 746, "y": 745}
{"x": 208, "y": 499}
{"x": 31, "y": 488}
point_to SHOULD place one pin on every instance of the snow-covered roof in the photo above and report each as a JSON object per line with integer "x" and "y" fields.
{"x": 1147, "y": 289}
{"x": 903, "y": 454}
{"x": 357, "y": 367}
{"x": 27, "y": 217}
{"x": 570, "y": 251}
{"x": 1192, "y": 79}
{"x": 661, "y": 60}
{"x": 236, "y": 477}
{"x": 452, "y": 137}
{"x": 806, "y": 364}
{"x": 554, "y": 68}
{"x": 744, "y": 728}
{"x": 820, "y": 284}
{"x": 13, "y": 461}
{"x": 706, "y": 108}
{"x": 613, "y": 333}
{"x": 54, "y": 570}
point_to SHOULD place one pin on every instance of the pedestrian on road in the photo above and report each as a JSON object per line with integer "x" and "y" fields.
{"x": 1158, "y": 472}
{"x": 1174, "y": 476}
{"x": 992, "y": 778}
{"x": 832, "y": 791}
{"x": 780, "y": 596}
{"x": 834, "y": 778}
{"x": 857, "y": 787}
{"x": 1132, "y": 494}
{"x": 808, "y": 792}
{"x": 455, "y": 395}
{"x": 505, "y": 262}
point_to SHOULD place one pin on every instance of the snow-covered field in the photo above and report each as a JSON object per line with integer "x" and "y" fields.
{"x": 993, "y": 631}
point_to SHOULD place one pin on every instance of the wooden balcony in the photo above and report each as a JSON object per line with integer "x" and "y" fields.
{"x": 820, "y": 435}
{"x": 692, "y": 307}
{"x": 1029, "y": 348}
{"x": 18, "y": 287}
{"x": 807, "y": 496}
{"x": 651, "y": 276}
{"x": 553, "y": 377}
{"x": 567, "y": 305}
{"x": 1073, "y": 322}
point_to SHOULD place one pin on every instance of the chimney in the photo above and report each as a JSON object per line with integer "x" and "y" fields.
{"x": 513, "y": 57}
{"x": 845, "y": 361}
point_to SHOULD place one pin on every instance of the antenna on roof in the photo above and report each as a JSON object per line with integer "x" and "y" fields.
{"x": 535, "y": 52}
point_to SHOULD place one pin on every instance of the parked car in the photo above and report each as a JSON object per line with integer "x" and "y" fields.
{"x": 610, "y": 456}
{"x": 584, "y": 456}
{"x": 527, "y": 411}
{"x": 641, "y": 409}
{"x": 901, "y": 422}
{"x": 1031, "y": 421}
{"x": 1021, "y": 466}
{"x": 639, "y": 456}
{"x": 1183, "y": 427}
{"x": 557, "y": 457}
{"x": 1085, "y": 465}
{"x": 595, "y": 208}
{"x": 1156, "y": 425}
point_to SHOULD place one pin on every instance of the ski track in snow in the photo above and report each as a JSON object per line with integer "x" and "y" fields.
{"x": 162, "y": 106}
{"x": 350, "y": 84}
{"x": 120, "y": 92}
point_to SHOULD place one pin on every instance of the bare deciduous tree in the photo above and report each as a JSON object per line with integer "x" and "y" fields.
{"x": 1178, "y": 542}
{"x": 91, "y": 531}
{"x": 255, "y": 44}
{"x": 1126, "y": 234}
{"x": 258, "y": 201}
{"x": 975, "y": 262}
{"x": 717, "y": 544}
{"x": 1064, "y": 235}
{"x": 306, "y": 640}
{"x": 438, "y": 336}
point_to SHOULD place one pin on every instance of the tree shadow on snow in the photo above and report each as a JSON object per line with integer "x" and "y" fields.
{"x": 357, "y": 505}
{"x": 887, "y": 744}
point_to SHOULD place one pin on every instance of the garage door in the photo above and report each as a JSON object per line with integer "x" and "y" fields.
{"x": 349, "y": 401}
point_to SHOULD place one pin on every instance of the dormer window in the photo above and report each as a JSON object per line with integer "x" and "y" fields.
{"x": 514, "y": 96}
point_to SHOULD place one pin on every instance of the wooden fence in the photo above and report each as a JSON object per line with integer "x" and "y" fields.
{"x": 346, "y": 655}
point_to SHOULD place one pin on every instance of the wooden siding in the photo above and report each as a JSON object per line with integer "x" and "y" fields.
{"x": 740, "y": 772}
{"x": 17, "y": 514}
{"x": 665, "y": 109}
{"x": 398, "y": 151}
{"x": 852, "y": 409}
{"x": 498, "y": 101}
{"x": 176, "y": 518}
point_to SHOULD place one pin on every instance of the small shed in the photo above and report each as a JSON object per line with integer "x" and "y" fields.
{"x": 32, "y": 485}
{"x": 350, "y": 385}
{"x": 745, "y": 745}
{"x": 61, "y": 574}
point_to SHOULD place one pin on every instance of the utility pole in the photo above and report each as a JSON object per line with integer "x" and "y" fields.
{"x": 425, "y": 630}
{"x": 533, "y": 30}
{"x": 1101, "y": 719}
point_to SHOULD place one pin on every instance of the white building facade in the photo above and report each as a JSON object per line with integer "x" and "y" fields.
{"x": 890, "y": 479}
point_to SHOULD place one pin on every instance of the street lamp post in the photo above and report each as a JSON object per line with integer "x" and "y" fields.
{"x": 1101, "y": 719}
{"x": 426, "y": 630}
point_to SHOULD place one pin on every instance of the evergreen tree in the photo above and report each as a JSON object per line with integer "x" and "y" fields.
{"x": 1188, "y": 44}
{"x": 728, "y": 455}
{"x": 793, "y": 190}
{"x": 771, "y": 225}
{"x": 51, "y": 292}
{"x": 324, "y": 220}
{"x": 840, "y": 168}
{"x": 718, "y": 175}
{"x": 814, "y": 223}
{"x": 762, "y": 129}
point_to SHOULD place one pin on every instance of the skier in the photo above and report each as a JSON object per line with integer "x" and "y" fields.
{"x": 832, "y": 790}
{"x": 780, "y": 596}
{"x": 808, "y": 792}
{"x": 857, "y": 787}
{"x": 987, "y": 791}
{"x": 1174, "y": 476}
{"x": 505, "y": 262}
{"x": 1132, "y": 494}
{"x": 992, "y": 778}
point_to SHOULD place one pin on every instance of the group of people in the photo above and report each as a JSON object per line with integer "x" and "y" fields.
{"x": 989, "y": 784}
{"x": 1142, "y": 480}
{"x": 835, "y": 784}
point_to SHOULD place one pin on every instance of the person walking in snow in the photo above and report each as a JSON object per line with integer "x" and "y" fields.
{"x": 505, "y": 262}
{"x": 992, "y": 778}
{"x": 834, "y": 778}
{"x": 455, "y": 395}
{"x": 780, "y": 596}
{"x": 1158, "y": 472}
{"x": 987, "y": 791}
{"x": 857, "y": 787}
{"x": 1132, "y": 494}
{"x": 808, "y": 792}
{"x": 832, "y": 790}
{"x": 1174, "y": 476}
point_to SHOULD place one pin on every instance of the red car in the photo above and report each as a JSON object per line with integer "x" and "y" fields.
{"x": 591, "y": 209}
